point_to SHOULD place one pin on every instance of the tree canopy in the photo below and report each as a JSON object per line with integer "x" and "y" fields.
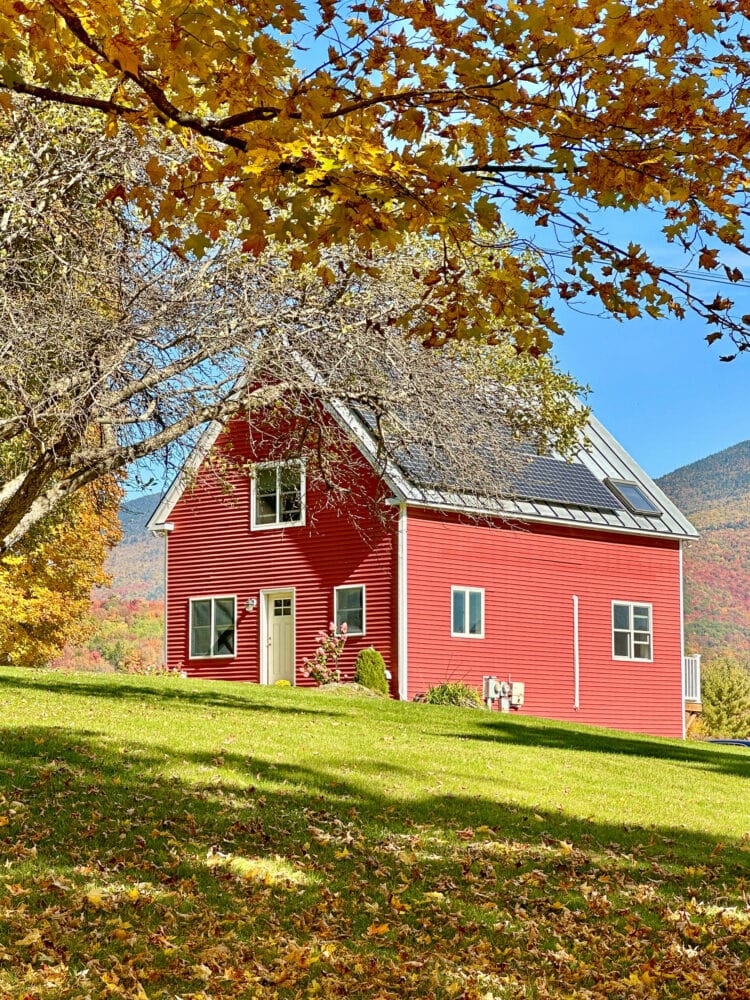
{"x": 317, "y": 124}
{"x": 115, "y": 348}
{"x": 45, "y": 584}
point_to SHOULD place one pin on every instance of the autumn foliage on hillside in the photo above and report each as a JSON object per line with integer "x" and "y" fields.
{"x": 717, "y": 590}
{"x": 45, "y": 585}
{"x": 715, "y": 493}
{"x": 127, "y": 615}
{"x": 126, "y": 636}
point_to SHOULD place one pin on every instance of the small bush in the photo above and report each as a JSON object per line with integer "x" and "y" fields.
{"x": 369, "y": 670}
{"x": 453, "y": 693}
{"x": 725, "y": 693}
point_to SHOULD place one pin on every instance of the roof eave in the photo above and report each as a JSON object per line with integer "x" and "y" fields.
{"x": 502, "y": 514}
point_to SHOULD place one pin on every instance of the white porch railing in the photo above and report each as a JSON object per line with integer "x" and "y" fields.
{"x": 692, "y": 678}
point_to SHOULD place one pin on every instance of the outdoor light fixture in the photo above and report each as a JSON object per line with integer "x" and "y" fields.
{"x": 251, "y": 604}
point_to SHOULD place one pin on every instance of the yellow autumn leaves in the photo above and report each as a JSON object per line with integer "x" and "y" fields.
{"x": 376, "y": 120}
{"x": 45, "y": 587}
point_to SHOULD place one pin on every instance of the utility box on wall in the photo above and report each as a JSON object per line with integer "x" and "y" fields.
{"x": 509, "y": 694}
{"x": 517, "y": 692}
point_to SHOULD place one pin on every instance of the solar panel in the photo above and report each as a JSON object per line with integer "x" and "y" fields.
{"x": 569, "y": 483}
{"x": 528, "y": 476}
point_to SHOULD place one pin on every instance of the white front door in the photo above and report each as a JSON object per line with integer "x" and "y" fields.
{"x": 280, "y": 636}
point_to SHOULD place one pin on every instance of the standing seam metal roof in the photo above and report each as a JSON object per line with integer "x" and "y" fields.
{"x": 552, "y": 490}
{"x": 549, "y": 490}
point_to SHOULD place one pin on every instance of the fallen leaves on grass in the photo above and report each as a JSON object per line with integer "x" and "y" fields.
{"x": 146, "y": 887}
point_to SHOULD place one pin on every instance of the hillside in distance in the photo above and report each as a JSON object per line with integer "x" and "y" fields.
{"x": 136, "y": 565}
{"x": 715, "y": 494}
{"x": 126, "y": 618}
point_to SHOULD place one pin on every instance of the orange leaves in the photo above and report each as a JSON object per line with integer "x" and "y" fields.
{"x": 708, "y": 259}
{"x": 420, "y": 122}
{"x": 124, "y": 53}
{"x": 156, "y": 170}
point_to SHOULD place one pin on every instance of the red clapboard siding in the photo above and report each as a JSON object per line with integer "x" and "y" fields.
{"x": 213, "y": 552}
{"x": 530, "y": 574}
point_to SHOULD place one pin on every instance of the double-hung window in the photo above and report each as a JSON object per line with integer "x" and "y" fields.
{"x": 349, "y": 607}
{"x": 213, "y": 627}
{"x": 467, "y": 612}
{"x": 632, "y": 630}
{"x": 278, "y": 495}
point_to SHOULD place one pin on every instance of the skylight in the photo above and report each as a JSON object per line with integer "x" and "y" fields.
{"x": 633, "y": 497}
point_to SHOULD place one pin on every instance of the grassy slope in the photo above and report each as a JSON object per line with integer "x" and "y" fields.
{"x": 173, "y": 838}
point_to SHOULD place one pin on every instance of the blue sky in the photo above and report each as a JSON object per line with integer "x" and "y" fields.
{"x": 658, "y": 386}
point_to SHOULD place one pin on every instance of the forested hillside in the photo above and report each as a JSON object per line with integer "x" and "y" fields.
{"x": 136, "y": 564}
{"x": 715, "y": 493}
{"x": 128, "y": 615}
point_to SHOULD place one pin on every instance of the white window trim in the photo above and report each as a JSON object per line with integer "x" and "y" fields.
{"x": 277, "y": 525}
{"x": 467, "y": 635}
{"x": 212, "y": 598}
{"x": 351, "y": 586}
{"x": 632, "y": 604}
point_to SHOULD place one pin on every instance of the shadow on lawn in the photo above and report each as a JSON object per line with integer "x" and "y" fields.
{"x": 528, "y": 732}
{"x": 90, "y": 812}
{"x": 120, "y": 776}
{"x": 173, "y": 694}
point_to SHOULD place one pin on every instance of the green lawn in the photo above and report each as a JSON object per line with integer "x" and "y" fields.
{"x": 166, "y": 838}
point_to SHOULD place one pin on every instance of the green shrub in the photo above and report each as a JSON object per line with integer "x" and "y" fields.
{"x": 453, "y": 693}
{"x": 725, "y": 693}
{"x": 369, "y": 670}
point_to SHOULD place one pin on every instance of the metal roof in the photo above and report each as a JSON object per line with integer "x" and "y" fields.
{"x": 543, "y": 488}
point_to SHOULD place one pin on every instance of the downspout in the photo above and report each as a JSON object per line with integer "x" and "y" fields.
{"x": 682, "y": 652}
{"x": 163, "y": 531}
{"x": 576, "y": 658}
{"x": 402, "y": 646}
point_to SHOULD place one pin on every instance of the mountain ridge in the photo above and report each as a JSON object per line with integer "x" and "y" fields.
{"x": 714, "y": 492}
{"x": 722, "y": 476}
{"x": 136, "y": 565}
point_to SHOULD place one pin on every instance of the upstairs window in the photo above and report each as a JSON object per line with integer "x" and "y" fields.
{"x": 467, "y": 612}
{"x": 212, "y": 627}
{"x": 349, "y": 607}
{"x": 277, "y": 495}
{"x": 631, "y": 631}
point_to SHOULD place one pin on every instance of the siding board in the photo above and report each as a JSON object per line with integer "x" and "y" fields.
{"x": 212, "y": 551}
{"x": 529, "y": 575}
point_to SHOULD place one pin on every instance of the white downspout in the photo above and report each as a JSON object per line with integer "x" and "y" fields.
{"x": 682, "y": 652}
{"x": 576, "y": 659}
{"x": 163, "y": 530}
{"x": 402, "y": 646}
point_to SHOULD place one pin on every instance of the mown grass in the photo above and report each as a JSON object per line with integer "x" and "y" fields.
{"x": 166, "y": 838}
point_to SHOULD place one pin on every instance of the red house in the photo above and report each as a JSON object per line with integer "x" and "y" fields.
{"x": 572, "y": 586}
